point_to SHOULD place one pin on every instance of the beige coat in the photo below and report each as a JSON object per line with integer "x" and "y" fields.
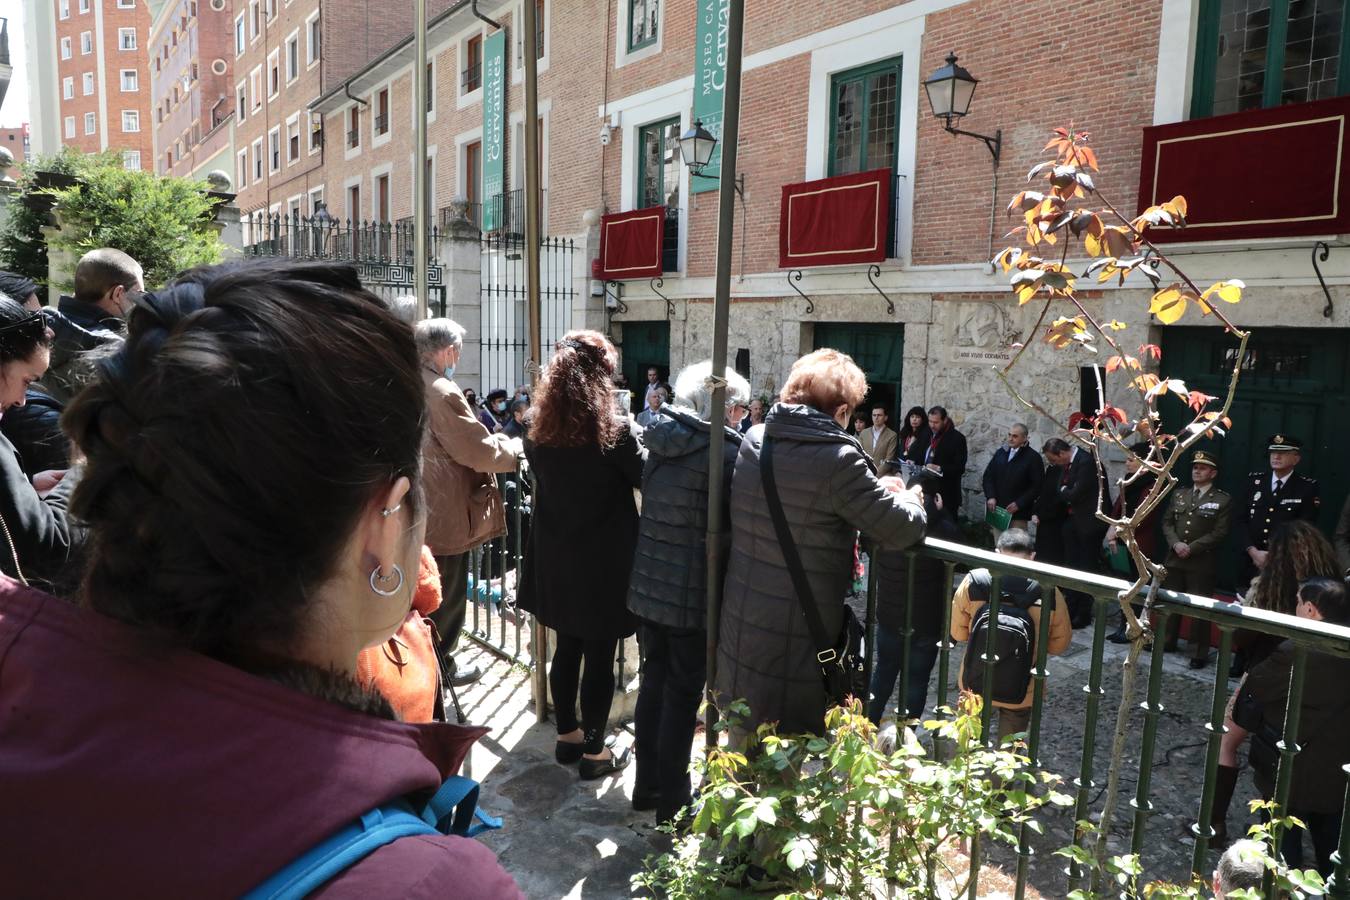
{"x": 883, "y": 449}
{"x": 464, "y": 507}
{"x": 964, "y": 610}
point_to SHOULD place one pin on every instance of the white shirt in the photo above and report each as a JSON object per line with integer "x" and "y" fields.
{"x": 1276, "y": 482}
{"x": 876, "y": 432}
{"x": 1012, "y": 451}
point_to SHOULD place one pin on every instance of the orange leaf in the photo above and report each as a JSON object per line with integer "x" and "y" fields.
{"x": 1150, "y": 350}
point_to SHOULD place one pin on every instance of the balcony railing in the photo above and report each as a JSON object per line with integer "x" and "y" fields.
{"x": 382, "y": 124}
{"x": 471, "y": 78}
{"x": 670, "y": 241}
{"x": 296, "y": 236}
{"x": 354, "y": 138}
{"x": 509, "y": 208}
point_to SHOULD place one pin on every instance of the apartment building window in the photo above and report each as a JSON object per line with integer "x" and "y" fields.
{"x": 240, "y": 37}
{"x": 86, "y": 43}
{"x": 538, "y": 34}
{"x": 131, "y": 121}
{"x": 354, "y": 127}
{"x": 68, "y": 87}
{"x": 241, "y": 170}
{"x": 382, "y": 112}
{"x": 431, "y": 87}
{"x": 643, "y": 18}
{"x": 274, "y": 150}
{"x": 87, "y": 83}
{"x": 382, "y": 198}
{"x": 271, "y": 7}
{"x": 255, "y": 20}
{"x": 70, "y": 127}
{"x": 865, "y": 112}
{"x": 84, "y": 6}
{"x": 315, "y": 135}
{"x": 473, "y": 175}
{"x": 354, "y": 203}
{"x": 292, "y": 57}
{"x": 131, "y": 160}
{"x": 659, "y": 164}
{"x": 1255, "y": 55}
{"x": 131, "y": 80}
{"x": 315, "y": 198}
{"x": 255, "y": 86}
{"x": 257, "y": 160}
{"x": 90, "y": 123}
{"x": 273, "y": 73}
{"x": 240, "y": 101}
{"x": 126, "y": 4}
{"x": 126, "y": 38}
{"x": 293, "y": 140}
{"x": 63, "y": 9}
{"x": 65, "y": 48}
{"x": 159, "y": 115}
{"x": 314, "y": 44}
{"x": 471, "y": 79}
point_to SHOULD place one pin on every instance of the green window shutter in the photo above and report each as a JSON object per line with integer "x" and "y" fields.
{"x": 864, "y": 117}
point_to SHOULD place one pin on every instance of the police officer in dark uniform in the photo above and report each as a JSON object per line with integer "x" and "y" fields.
{"x": 1195, "y": 526}
{"x": 1271, "y": 498}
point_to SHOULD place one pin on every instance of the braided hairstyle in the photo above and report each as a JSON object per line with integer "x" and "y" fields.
{"x": 573, "y": 406}
{"x": 253, "y": 414}
{"x": 1298, "y": 551}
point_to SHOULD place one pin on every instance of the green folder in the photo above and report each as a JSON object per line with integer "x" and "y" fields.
{"x": 1119, "y": 559}
{"x": 999, "y": 518}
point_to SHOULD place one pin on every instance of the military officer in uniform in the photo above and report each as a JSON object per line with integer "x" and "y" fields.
{"x": 1195, "y": 526}
{"x": 1271, "y": 498}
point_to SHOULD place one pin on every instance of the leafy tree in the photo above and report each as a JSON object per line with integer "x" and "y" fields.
{"x": 165, "y": 223}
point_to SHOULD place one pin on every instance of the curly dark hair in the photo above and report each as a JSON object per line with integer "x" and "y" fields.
{"x": 253, "y": 414}
{"x": 573, "y": 406}
{"x": 1298, "y": 551}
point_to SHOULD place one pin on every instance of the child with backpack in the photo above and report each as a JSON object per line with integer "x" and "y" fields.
{"x": 1016, "y": 632}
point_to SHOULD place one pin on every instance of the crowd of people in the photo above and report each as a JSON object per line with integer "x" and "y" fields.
{"x": 241, "y": 515}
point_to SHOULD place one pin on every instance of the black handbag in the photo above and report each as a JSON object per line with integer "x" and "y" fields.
{"x": 840, "y": 661}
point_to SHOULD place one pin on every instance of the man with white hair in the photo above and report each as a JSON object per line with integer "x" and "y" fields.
{"x": 667, "y": 590}
{"x": 464, "y": 507}
{"x": 1241, "y": 866}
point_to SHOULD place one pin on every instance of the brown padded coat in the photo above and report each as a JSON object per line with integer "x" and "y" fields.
{"x": 464, "y": 507}
{"x": 964, "y": 610}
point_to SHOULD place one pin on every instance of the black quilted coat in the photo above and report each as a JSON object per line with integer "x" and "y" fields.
{"x": 829, "y": 493}
{"x": 669, "y": 585}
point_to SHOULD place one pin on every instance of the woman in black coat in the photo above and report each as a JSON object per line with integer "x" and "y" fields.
{"x": 587, "y": 462}
{"x": 914, "y": 436}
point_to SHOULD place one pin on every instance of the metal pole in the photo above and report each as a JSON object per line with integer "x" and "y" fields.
{"x": 726, "y": 222}
{"x": 420, "y": 193}
{"x": 532, "y": 179}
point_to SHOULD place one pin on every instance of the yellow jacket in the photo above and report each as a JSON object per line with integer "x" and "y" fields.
{"x": 964, "y": 610}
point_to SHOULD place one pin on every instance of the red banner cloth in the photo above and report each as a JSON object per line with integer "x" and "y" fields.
{"x": 835, "y": 221}
{"x": 630, "y": 244}
{"x": 1262, "y": 173}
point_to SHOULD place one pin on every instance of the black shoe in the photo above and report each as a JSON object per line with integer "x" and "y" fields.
{"x": 646, "y": 799}
{"x": 1198, "y": 662}
{"x": 465, "y": 677}
{"x": 568, "y": 753}
{"x": 1118, "y": 637}
{"x": 592, "y": 769}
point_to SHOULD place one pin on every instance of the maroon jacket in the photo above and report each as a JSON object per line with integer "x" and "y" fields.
{"x": 129, "y": 769}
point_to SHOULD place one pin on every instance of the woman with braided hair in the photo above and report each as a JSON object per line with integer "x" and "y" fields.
{"x": 252, "y": 487}
{"x": 37, "y": 540}
{"x": 587, "y": 462}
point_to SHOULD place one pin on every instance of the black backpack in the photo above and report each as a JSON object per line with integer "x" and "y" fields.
{"x": 1014, "y": 636}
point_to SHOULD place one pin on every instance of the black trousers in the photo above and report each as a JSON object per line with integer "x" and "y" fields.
{"x": 1082, "y": 550}
{"x": 1200, "y": 581}
{"x": 566, "y": 680}
{"x": 674, "y": 669}
{"x": 449, "y": 616}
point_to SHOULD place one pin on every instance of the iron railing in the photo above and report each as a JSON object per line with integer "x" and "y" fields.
{"x": 503, "y": 331}
{"x": 509, "y": 208}
{"x": 1105, "y": 592}
{"x": 293, "y": 235}
{"x": 354, "y": 137}
{"x": 493, "y": 620}
{"x": 670, "y": 241}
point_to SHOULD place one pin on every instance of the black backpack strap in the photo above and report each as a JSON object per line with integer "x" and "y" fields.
{"x": 826, "y": 654}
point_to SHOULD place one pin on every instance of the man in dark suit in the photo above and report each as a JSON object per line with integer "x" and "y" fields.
{"x": 1270, "y": 498}
{"x": 946, "y": 455}
{"x": 1013, "y": 478}
{"x": 1050, "y": 511}
{"x": 1082, "y": 486}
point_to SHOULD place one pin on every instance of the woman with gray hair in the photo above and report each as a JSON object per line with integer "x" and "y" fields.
{"x": 667, "y": 590}
{"x": 464, "y": 507}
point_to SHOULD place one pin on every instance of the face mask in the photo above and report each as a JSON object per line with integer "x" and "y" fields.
{"x": 449, "y": 371}
{"x": 501, "y": 406}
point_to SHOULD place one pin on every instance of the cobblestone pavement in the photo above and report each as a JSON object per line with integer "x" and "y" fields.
{"x": 569, "y": 838}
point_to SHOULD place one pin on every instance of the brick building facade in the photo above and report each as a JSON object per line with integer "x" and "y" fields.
{"x": 191, "y": 91}
{"x": 18, "y": 142}
{"x": 102, "y": 77}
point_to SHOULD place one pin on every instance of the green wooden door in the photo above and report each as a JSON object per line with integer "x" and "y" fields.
{"x": 645, "y": 344}
{"x": 879, "y": 349}
{"x": 1295, "y": 381}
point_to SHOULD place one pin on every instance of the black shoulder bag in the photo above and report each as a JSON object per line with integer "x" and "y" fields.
{"x": 841, "y": 662}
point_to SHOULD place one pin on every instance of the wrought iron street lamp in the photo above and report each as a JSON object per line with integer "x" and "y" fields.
{"x": 949, "y": 90}
{"x": 696, "y": 146}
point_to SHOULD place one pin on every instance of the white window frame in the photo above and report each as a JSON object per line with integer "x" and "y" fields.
{"x": 90, "y": 123}
{"x": 273, "y": 63}
{"x": 84, "y": 6}
{"x": 295, "y": 206}
{"x": 135, "y": 80}
{"x": 65, "y": 48}
{"x": 132, "y": 117}
{"x": 87, "y": 84}
{"x": 241, "y": 169}
{"x": 377, "y": 139}
{"x": 431, "y": 181}
{"x": 516, "y": 151}
{"x": 313, "y": 145}
{"x": 255, "y": 88}
{"x": 129, "y": 156}
{"x": 70, "y": 127}
{"x": 462, "y": 140}
{"x": 312, "y": 198}
{"x": 240, "y": 34}
{"x": 257, "y": 160}
{"x": 517, "y": 52}
{"x": 274, "y": 134}
{"x": 461, "y": 53}
{"x": 349, "y": 152}
{"x": 622, "y": 55}
{"x": 68, "y": 87}
{"x": 677, "y": 105}
{"x": 386, "y": 170}
{"x": 355, "y": 181}
{"x": 122, "y": 35}
{"x": 431, "y": 94}
{"x": 241, "y": 109}
{"x": 254, "y": 21}
{"x": 293, "y": 121}
{"x": 312, "y": 52}
{"x": 87, "y": 42}
{"x": 293, "y": 39}
{"x": 63, "y": 10}
{"x": 126, "y": 4}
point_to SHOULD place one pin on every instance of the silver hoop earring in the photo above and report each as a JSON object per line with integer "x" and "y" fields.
{"x": 376, "y": 576}
{"x": 387, "y": 512}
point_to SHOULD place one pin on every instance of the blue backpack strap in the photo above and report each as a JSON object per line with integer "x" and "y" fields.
{"x": 335, "y": 854}
{"x": 453, "y": 808}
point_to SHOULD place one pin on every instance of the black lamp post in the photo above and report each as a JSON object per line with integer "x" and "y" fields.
{"x": 949, "y": 91}
{"x": 696, "y": 148}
